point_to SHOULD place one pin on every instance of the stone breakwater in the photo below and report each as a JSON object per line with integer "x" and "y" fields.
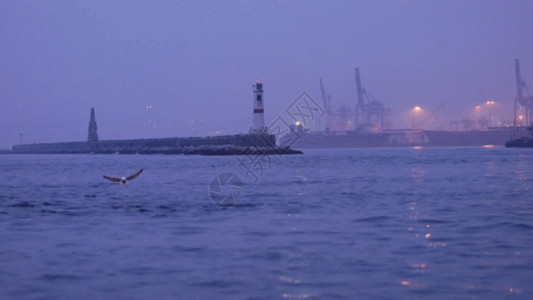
{"x": 217, "y": 145}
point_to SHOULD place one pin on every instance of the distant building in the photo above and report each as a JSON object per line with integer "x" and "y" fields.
{"x": 93, "y": 134}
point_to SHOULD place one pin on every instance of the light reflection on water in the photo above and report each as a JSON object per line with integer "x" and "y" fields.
{"x": 523, "y": 167}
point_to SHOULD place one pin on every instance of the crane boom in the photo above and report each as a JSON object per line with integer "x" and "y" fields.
{"x": 327, "y": 106}
{"x": 521, "y": 101}
{"x": 360, "y": 91}
{"x": 519, "y": 83}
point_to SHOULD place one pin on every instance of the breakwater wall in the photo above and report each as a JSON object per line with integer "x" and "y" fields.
{"x": 226, "y": 144}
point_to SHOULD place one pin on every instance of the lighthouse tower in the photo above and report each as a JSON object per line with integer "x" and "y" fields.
{"x": 93, "y": 134}
{"x": 259, "y": 111}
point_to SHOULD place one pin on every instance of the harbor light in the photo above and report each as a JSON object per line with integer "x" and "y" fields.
{"x": 417, "y": 117}
{"x": 490, "y": 104}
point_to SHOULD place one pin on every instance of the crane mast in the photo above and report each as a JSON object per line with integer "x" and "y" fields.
{"x": 327, "y": 105}
{"x": 522, "y": 102}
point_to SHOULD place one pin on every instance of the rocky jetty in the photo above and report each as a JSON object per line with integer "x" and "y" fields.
{"x": 187, "y": 150}
{"x": 248, "y": 144}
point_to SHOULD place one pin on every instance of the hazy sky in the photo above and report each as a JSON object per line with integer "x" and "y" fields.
{"x": 194, "y": 62}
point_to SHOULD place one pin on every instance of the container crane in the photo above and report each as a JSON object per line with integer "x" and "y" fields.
{"x": 341, "y": 116}
{"x": 368, "y": 111}
{"x": 522, "y": 101}
{"x": 327, "y": 105}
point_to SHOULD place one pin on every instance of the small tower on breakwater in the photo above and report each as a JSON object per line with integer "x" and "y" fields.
{"x": 93, "y": 134}
{"x": 259, "y": 111}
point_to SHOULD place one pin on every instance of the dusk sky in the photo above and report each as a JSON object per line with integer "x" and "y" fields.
{"x": 182, "y": 68}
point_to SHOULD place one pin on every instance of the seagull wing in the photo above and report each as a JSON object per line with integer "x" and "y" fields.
{"x": 134, "y": 175}
{"x": 112, "y": 179}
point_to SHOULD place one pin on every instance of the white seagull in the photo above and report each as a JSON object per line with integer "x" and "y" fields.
{"x": 123, "y": 180}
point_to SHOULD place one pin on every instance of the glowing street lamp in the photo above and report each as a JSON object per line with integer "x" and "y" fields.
{"x": 520, "y": 119}
{"x": 490, "y": 104}
{"x": 417, "y": 112}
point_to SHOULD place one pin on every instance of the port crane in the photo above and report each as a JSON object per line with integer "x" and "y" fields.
{"x": 368, "y": 111}
{"x": 522, "y": 102}
{"x": 327, "y": 105}
{"x": 341, "y": 115}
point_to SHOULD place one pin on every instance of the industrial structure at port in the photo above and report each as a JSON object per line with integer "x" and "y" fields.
{"x": 365, "y": 124}
{"x": 258, "y": 138}
{"x": 523, "y": 104}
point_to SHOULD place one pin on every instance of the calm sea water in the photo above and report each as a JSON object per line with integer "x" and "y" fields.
{"x": 331, "y": 224}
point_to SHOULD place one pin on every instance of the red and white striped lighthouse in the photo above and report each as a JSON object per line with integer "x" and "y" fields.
{"x": 259, "y": 110}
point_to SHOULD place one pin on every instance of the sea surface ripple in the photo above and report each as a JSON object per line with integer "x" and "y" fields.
{"x": 426, "y": 223}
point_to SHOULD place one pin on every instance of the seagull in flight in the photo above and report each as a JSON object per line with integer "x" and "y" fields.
{"x": 123, "y": 180}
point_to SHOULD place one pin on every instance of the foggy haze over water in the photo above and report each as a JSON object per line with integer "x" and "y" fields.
{"x": 163, "y": 69}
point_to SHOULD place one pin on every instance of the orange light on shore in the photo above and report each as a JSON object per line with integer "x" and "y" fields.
{"x": 490, "y": 102}
{"x": 416, "y": 115}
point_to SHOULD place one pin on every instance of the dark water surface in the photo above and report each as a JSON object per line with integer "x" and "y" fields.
{"x": 331, "y": 224}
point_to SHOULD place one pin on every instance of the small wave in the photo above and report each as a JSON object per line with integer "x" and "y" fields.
{"x": 138, "y": 270}
{"x": 269, "y": 256}
{"x": 187, "y": 249}
{"x": 433, "y": 221}
{"x": 217, "y": 283}
{"x": 517, "y": 225}
{"x": 61, "y": 277}
{"x": 372, "y": 219}
{"x": 23, "y": 204}
{"x": 523, "y": 226}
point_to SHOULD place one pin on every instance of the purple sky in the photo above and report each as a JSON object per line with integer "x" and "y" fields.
{"x": 195, "y": 62}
